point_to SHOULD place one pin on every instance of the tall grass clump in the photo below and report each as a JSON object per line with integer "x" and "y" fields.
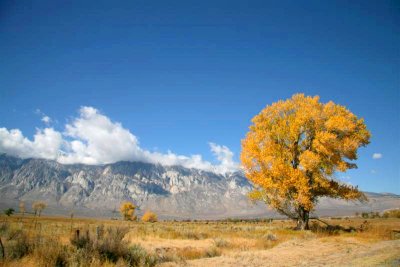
{"x": 17, "y": 244}
{"x": 137, "y": 256}
{"x": 110, "y": 247}
{"x": 51, "y": 254}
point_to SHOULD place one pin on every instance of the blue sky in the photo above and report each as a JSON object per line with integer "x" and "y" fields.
{"x": 178, "y": 75}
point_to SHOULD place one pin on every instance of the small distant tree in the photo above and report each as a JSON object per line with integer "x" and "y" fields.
{"x": 149, "y": 216}
{"x": 9, "y": 211}
{"x": 365, "y": 215}
{"x": 71, "y": 215}
{"x": 127, "y": 210}
{"x": 21, "y": 207}
{"x": 38, "y": 207}
{"x": 114, "y": 212}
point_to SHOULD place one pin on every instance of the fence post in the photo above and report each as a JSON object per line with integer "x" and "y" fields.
{"x": 2, "y": 249}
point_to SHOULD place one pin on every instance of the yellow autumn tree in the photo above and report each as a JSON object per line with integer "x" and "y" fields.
{"x": 127, "y": 210}
{"x": 293, "y": 150}
{"x": 149, "y": 216}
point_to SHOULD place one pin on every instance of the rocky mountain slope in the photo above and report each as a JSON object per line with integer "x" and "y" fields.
{"x": 170, "y": 191}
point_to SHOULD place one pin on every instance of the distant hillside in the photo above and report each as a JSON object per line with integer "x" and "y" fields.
{"x": 170, "y": 191}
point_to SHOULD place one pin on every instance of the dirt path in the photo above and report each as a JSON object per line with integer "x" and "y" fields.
{"x": 315, "y": 252}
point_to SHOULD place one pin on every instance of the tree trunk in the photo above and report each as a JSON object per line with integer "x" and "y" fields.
{"x": 302, "y": 221}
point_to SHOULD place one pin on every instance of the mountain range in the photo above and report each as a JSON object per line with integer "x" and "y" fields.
{"x": 173, "y": 192}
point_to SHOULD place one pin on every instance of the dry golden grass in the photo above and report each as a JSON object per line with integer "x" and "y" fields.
{"x": 212, "y": 243}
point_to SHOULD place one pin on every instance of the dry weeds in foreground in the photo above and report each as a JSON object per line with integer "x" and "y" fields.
{"x": 53, "y": 242}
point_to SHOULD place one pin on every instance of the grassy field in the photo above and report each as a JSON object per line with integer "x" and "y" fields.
{"x": 54, "y": 241}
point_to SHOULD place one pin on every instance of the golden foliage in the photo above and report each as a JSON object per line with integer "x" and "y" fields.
{"x": 127, "y": 210}
{"x": 149, "y": 216}
{"x": 293, "y": 149}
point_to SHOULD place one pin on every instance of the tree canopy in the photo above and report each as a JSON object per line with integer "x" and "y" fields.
{"x": 293, "y": 150}
{"x": 149, "y": 216}
{"x": 127, "y": 210}
{"x": 38, "y": 207}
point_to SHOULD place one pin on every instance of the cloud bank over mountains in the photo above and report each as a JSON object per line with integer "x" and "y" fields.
{"x": 92, "y": 138}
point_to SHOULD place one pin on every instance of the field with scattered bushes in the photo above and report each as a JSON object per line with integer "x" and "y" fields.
{"x": 57, "y": 241}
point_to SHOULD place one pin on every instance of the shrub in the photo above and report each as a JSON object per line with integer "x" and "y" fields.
{"x": 370, "y": 215}
{"x": 18, "y": 245}
{"x": 111, "y": 248}
{"x": 149, "y": 216}
{"x": 392, "y": 213}
{"x": 375, "y": 215}
{"x": 81, "y": 241}
{"x": 108, "y": 247}
{"x": 4, "y": 226}
{"x": 83, "y": 257}
{"x": 365, "y": 215}
{"x": 364, "y": 226}
{"x": 220, "y": 243}
{"x": 50, "y": 254}
{"x": 9, "y": 212}
{"x": 137, "y": 256}
{"x": 213, "y": 252}
{"x": 271, "y": 237}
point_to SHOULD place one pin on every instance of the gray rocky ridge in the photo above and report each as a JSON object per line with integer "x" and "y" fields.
{"x": 170, "y": 191}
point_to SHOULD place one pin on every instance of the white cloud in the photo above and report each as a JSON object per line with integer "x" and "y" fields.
{"x": 92, "y": 138}
{"x": 45, "y": 144}
{"x": 225, "y": 157}
{"x": 46, "y": 119}
{"x": 377, "y": 156}
{"x": 96, "y": 140}
{"x": 169, "y": 159}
